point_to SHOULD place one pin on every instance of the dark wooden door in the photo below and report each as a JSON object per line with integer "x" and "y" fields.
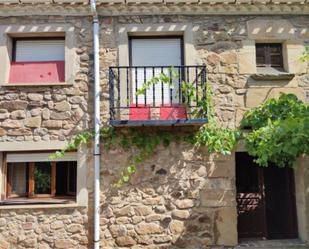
{"x": 265, "y": 199}
{"x": 250, "y": 198}
{"x": 280, "y": 203}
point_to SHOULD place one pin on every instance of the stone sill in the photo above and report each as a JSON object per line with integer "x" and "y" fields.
{"x": 281, "y": 76}
{"x": 40, "y": 206}
{"x": 36, "y": 84}
{"x": 271, "y": 73}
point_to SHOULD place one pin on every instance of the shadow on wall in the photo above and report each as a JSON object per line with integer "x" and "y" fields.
{"x": 180, "y": 198}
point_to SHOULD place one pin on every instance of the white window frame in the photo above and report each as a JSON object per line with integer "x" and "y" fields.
{"x": 166, "y": 29}
{"x": 186, "y": 30}
{"x": 8, "y": 32}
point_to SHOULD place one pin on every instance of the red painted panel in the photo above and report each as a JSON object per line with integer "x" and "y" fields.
{"x": 172, "y": 112}
{"x": 37, "y": 72}
{"x": 139, "y": 112}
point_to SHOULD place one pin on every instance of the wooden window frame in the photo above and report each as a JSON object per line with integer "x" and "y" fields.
{"x": 70, "y": 193}
{"x": 9, "y": 172}
{"x": 7, "y": 195}
{"x": 4, "y": 177}
{"x": 31, "y": 182}
{"x": 267, "y": 55}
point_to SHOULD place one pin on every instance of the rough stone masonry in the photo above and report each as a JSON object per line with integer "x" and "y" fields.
{"x": 181, "y": 197}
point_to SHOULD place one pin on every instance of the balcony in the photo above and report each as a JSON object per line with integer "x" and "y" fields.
{"x": 162, "y": 103}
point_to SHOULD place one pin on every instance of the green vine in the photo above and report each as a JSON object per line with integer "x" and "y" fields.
{"x": 216, "y": 138}
{"x": 279, "y": 131}
{"x": 305, "y": 55}
{"x": 161, "y": 77}
{"x": 145, "y": 146}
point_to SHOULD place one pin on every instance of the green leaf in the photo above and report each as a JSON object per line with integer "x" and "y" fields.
{"x": 131, "y": 169}
{"x": 125, "y": 178}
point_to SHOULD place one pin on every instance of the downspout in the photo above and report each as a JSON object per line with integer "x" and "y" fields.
{"x": 96, "y": 149}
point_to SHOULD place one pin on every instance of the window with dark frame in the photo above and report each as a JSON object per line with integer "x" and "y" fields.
{"x": 269, "y": 55}
{"x": 50, "y": 180}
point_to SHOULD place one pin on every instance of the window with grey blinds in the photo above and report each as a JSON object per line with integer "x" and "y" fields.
{"x": 154, "y": 52}
{"x": 39, "y": 50}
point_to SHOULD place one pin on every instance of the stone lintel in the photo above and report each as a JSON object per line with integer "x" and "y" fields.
{"x": 32, "y": 146}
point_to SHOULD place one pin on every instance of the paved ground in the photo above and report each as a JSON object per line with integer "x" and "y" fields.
{"x": 272, "y": 244}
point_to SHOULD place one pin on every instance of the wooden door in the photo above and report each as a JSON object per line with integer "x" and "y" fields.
{"x": 266, "y": 200}
{"x": 280, "y": 203}
{"x": 250, "y": 198}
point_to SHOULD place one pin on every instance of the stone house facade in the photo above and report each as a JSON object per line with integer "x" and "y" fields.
{"x": 181, "y": 197}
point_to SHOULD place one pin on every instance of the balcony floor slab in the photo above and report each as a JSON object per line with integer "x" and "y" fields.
{"x": 176, "y": 122}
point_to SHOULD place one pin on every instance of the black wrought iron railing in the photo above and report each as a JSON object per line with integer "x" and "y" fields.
{"x": 162, "y": 101}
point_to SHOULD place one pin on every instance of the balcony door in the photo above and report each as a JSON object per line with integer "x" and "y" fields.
{"x": 149, "y": 57}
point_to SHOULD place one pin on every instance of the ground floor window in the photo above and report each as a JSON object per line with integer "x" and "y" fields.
{"x": 37, "y": 179}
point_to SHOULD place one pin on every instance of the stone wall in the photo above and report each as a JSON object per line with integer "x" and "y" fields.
{"x": 45, "y": 113}
{"x": 180, "y": 198}
{"x": 44, "y": 228}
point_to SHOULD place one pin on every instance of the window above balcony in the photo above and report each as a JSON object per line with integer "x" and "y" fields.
{"x": 156, "y": 51}
{"x": 162, "y": 103}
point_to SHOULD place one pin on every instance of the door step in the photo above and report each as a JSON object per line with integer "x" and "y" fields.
{"x": 272, "y": 244}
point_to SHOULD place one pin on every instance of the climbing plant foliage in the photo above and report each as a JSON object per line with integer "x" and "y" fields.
{"x": 278, "y": 131}
{"x": 305, "y": 55}
{"x": 216, "y": 138}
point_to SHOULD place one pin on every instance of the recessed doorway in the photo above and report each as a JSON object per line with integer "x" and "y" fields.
{"x": 265, "y": 200}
